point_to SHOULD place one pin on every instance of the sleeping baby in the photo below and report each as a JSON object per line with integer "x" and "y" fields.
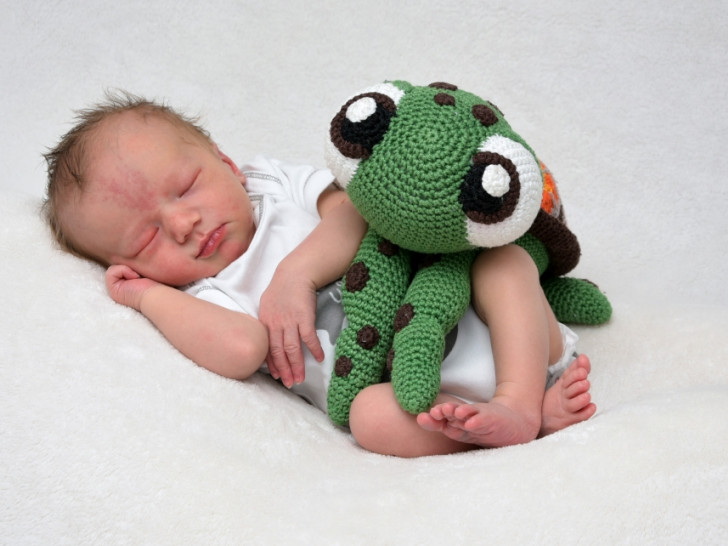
{"x": 240, "y": 270}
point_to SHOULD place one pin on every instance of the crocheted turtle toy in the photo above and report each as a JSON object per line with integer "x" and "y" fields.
{"x": 437, "y": 173}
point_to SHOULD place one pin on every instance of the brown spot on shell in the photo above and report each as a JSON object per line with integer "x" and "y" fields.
{"x": 390, "y": 360}
{"x": 357, "y": 277}
{"x": 343, "y": 366}
{"x": 443, "y": 99}
{"x": 404, "y": 316}
{"x": 484, "y": 115}
{"x": 443, "y": 85}
{"x": 368, "y": 337}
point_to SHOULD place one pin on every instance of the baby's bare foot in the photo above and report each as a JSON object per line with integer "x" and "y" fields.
{"x": 495, "y": 424}
{"x": 568, "y": 401}
{"x": 492, "y": 424}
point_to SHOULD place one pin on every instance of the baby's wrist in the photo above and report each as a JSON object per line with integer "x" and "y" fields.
{"x": 297, "y": 269}
{"x": 146, "y": 296}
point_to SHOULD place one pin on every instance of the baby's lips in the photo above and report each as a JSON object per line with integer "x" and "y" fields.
{"x": 210, "y": 243}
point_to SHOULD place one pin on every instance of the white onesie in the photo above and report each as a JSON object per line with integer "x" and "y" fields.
{"x": 284, "y": 198}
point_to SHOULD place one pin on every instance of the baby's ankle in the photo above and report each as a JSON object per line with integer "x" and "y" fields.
{"x": 526, "y": 416}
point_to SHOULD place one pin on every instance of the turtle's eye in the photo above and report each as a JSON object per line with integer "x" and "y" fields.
{"x": 358, "y": 127}
{"x": 501, "y": 193}
{"x": 361, "y": 124}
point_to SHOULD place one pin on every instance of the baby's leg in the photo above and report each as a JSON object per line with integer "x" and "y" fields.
{"x": 507, "y": 296}
{"x": 567, "y": 402}
{"x": 380, "y": 425}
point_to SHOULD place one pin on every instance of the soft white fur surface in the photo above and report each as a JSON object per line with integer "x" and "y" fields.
{"x": 109, "y": 436}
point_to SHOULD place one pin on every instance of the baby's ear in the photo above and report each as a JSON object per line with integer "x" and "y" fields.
{"x": 229, "y": 162}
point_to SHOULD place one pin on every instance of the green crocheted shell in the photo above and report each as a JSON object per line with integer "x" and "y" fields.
{"x": 436, "y": 171}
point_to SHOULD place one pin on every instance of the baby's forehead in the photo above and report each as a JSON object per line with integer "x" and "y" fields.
{"x": 133, "y": 154}
{"x": 134, "y": 126}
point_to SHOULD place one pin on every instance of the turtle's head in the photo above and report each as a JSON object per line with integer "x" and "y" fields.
{"x": 434, "y": 169}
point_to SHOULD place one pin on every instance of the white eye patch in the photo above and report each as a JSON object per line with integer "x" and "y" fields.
{"x": 496, "y": 180}
{"x": 362, "y": 109}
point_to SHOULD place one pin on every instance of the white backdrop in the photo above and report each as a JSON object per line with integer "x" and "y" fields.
{"x": 625, "y": 101}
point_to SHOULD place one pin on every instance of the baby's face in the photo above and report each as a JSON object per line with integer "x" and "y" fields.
{"x": 161, "y": 201}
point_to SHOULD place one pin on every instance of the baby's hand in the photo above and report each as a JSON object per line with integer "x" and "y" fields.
{"x": 288, "y": 311}
{"x": 126, "y": 286}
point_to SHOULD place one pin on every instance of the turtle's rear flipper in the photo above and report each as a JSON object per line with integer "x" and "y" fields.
{"x": 577, "y": 301}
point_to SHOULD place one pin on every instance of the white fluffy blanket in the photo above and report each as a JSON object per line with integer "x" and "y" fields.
{"x": 109, "y": 436}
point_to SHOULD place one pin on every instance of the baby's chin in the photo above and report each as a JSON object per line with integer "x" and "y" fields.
{"x": 227, "y": 254}
{"x": 231, "y": 250}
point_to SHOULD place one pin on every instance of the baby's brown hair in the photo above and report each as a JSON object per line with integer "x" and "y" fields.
{"x": 67, "y": 161}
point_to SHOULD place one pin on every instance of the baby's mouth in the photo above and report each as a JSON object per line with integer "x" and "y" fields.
{"x": 210, "y": 243}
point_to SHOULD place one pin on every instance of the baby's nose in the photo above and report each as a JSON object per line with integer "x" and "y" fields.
{"x": 180, "y": 224}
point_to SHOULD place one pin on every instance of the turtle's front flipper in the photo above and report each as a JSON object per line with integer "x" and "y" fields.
{"x": 577, "y": 301}
{"x": 435, "y": 302}
{"x": 574, "y": 301}
{"x": 372, "y": 291}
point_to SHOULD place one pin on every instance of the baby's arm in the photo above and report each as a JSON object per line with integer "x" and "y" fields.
{"x": 226, "y": 342}
{"x": 288, "y": 306}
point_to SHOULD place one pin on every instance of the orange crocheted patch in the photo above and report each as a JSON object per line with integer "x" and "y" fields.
{"x": 550, "y": 202}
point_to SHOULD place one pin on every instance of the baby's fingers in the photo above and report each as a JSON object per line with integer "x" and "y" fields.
{"x": 117, "y": 273}
{"x": 285, "y": 360}
{"x": 278, "y": 364}
{"x": 311, "y": 340}
{"x": 294, "y": 354}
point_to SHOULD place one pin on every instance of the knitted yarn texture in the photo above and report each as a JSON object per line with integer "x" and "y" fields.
{"x": 438, "y": 173}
